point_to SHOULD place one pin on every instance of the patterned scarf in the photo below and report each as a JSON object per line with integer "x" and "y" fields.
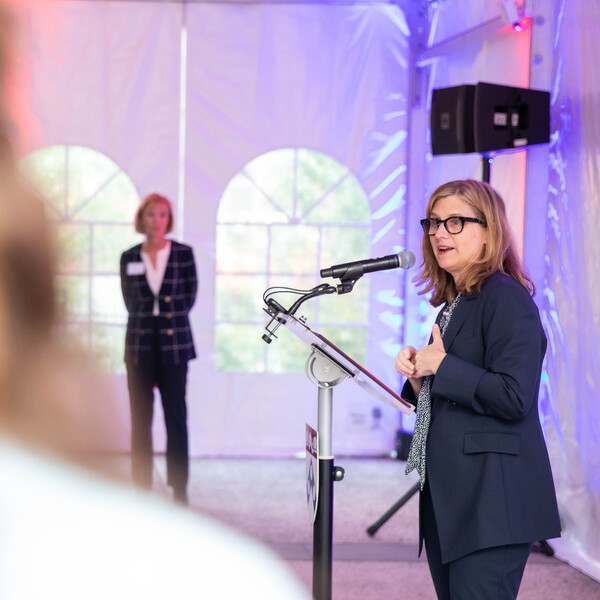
{"x": 416, "y": 454}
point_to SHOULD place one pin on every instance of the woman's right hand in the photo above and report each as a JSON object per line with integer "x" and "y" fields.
{"x": 405, "y": 365}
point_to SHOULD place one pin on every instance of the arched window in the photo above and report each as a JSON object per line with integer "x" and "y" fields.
{"x": 282, "y": 218}
{"x": 93, "y": 202}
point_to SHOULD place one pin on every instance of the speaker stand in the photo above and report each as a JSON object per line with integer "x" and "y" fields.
{"x": 486, "y": 167}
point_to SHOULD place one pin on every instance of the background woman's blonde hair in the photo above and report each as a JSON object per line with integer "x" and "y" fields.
{"x": 153, "y": 198}
{"x": 499, "y": 253}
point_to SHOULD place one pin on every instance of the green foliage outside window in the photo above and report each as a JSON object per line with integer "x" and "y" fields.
{"x": 282, "y": 218}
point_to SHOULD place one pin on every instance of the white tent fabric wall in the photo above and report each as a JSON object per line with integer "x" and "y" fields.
{"x": 571, "y": 309}
{"x": 106, "y": 75}
{"x": 327, "y": 78}
{"x": 103, "y": 75}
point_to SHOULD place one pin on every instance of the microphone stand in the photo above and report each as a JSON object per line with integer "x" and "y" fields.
{"x": 326, "y": 372}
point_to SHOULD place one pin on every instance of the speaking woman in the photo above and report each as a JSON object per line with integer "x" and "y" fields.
{"x": 486, "y": 486}
{"x": 158, "y": 280}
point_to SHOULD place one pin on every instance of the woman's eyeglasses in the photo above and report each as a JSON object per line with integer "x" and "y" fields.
{"x": 453, "y": 225}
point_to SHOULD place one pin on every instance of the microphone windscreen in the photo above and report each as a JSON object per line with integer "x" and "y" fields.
{"x": 406, "y": 258}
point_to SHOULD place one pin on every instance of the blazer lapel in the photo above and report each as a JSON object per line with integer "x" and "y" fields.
{"x": 166, "y": 289}
{"x": 142, "y": 280}
{"x": 459, "y": 316}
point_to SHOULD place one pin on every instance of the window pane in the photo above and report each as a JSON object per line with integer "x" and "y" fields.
{"x": 243, "y": 202}
{"x": 294, "y": 249}
{"x": 346, "y": 203}
{"x": 316, "y": 174}
{"x": 109, "y": 343}
{"x": 287, "y": 353}
{"x": 347, "y": 308}
{"x": 116, "y": 200}
{"x": 109, "y": 242}
{"x": 239, "y": 298}
{"x": 107, "y": 300}
{"x": 308, "y": 309}
{"x": 351, "y": 341}
{"x": 80, "y": 331}
{"x": 73, "y": 248}
{"x": 273, "y": 173}
{"x": 73, "y": 296}
{"x": 343, "y": 244}
{"x": 46, "y": 169}
{"x": 241, "y": 248}
{"x": 241, "y": 348}
{"x": 85, "y": 182}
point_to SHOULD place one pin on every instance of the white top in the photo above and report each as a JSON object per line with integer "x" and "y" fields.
{"x": 155, "y": 275}
{"x": 66, "y": 534}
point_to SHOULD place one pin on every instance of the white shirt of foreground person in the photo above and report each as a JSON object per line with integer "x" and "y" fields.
{"x": 65, "y": 534}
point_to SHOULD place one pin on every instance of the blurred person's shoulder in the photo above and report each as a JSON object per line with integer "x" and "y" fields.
{"x": 69, "y": 534}
{"x": 132, "y": 252}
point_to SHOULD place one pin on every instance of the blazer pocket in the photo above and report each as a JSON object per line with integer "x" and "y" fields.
{"x": 503, "y": 443}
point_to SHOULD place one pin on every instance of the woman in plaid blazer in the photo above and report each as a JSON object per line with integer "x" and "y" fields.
{"x": 158, "y": 280}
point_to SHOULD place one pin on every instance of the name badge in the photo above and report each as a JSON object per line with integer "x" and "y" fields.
{"x": 136, "y": 268}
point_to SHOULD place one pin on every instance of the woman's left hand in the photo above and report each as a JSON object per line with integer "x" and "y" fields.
{"x": 429, "y": 358}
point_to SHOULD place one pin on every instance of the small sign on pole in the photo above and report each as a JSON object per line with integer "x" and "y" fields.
{"x": 312, "y": 472}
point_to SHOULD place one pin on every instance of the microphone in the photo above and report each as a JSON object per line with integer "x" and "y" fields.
{"x": 404, "y": 260}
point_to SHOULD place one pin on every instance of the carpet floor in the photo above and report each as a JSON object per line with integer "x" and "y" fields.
{"x": 266, "y": 499}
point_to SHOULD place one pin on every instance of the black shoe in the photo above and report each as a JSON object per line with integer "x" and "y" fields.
{"x": 180, "y": 496}
{"x": 543, "y": 547}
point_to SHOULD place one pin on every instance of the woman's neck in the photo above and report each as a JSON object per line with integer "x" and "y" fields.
{"x": 153, "y": 244}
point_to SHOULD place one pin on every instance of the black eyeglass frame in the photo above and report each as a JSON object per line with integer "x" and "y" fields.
{"x": 426, "y": 222}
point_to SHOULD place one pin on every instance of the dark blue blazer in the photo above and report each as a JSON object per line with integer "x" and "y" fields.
{"x": 487, "y": 464}
{"x": 175, "y": 299}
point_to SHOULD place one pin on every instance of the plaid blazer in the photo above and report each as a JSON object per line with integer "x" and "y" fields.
{"x": 175, "y": 299}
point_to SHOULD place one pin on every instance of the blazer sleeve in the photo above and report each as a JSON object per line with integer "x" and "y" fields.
{"x": 496, "y": 371}
{"x": 126, "y": 283}
{"x": 189, "y": 279}
{"x": 408, "y": 393}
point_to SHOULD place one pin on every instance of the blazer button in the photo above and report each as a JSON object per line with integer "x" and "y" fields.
{"x": 167, "y": 298}
{"x": 169, "y": 332}
{"x": 169, "y": 315}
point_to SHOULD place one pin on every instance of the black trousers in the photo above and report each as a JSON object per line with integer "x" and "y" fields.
{"x": 489, "y": 573}
{"x": 171, "y": 381}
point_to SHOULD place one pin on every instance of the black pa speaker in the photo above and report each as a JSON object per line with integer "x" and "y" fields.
{"x": 452, "y": 120}
{"x": 487, "y": 117}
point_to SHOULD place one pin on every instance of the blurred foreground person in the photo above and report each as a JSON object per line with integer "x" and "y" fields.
{"x": 486, "y": 485}
{"x": 65, "y": 533}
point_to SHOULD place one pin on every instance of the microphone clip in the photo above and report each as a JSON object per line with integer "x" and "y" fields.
{"x": 347, "y": 285}
{"x": 349, "y": 278}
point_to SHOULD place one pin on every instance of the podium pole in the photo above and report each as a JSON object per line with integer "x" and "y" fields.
{"x": 327, "y": 366}
{"x": 326, "y": 374}
{"x": 323, "y": 526}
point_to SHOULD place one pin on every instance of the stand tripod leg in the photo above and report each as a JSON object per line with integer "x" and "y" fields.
{"x": 372, "y": 530}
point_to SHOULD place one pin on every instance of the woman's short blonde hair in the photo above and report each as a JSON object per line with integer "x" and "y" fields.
{"x": 153, "y": 198}
{"x": 498, "y": 254}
